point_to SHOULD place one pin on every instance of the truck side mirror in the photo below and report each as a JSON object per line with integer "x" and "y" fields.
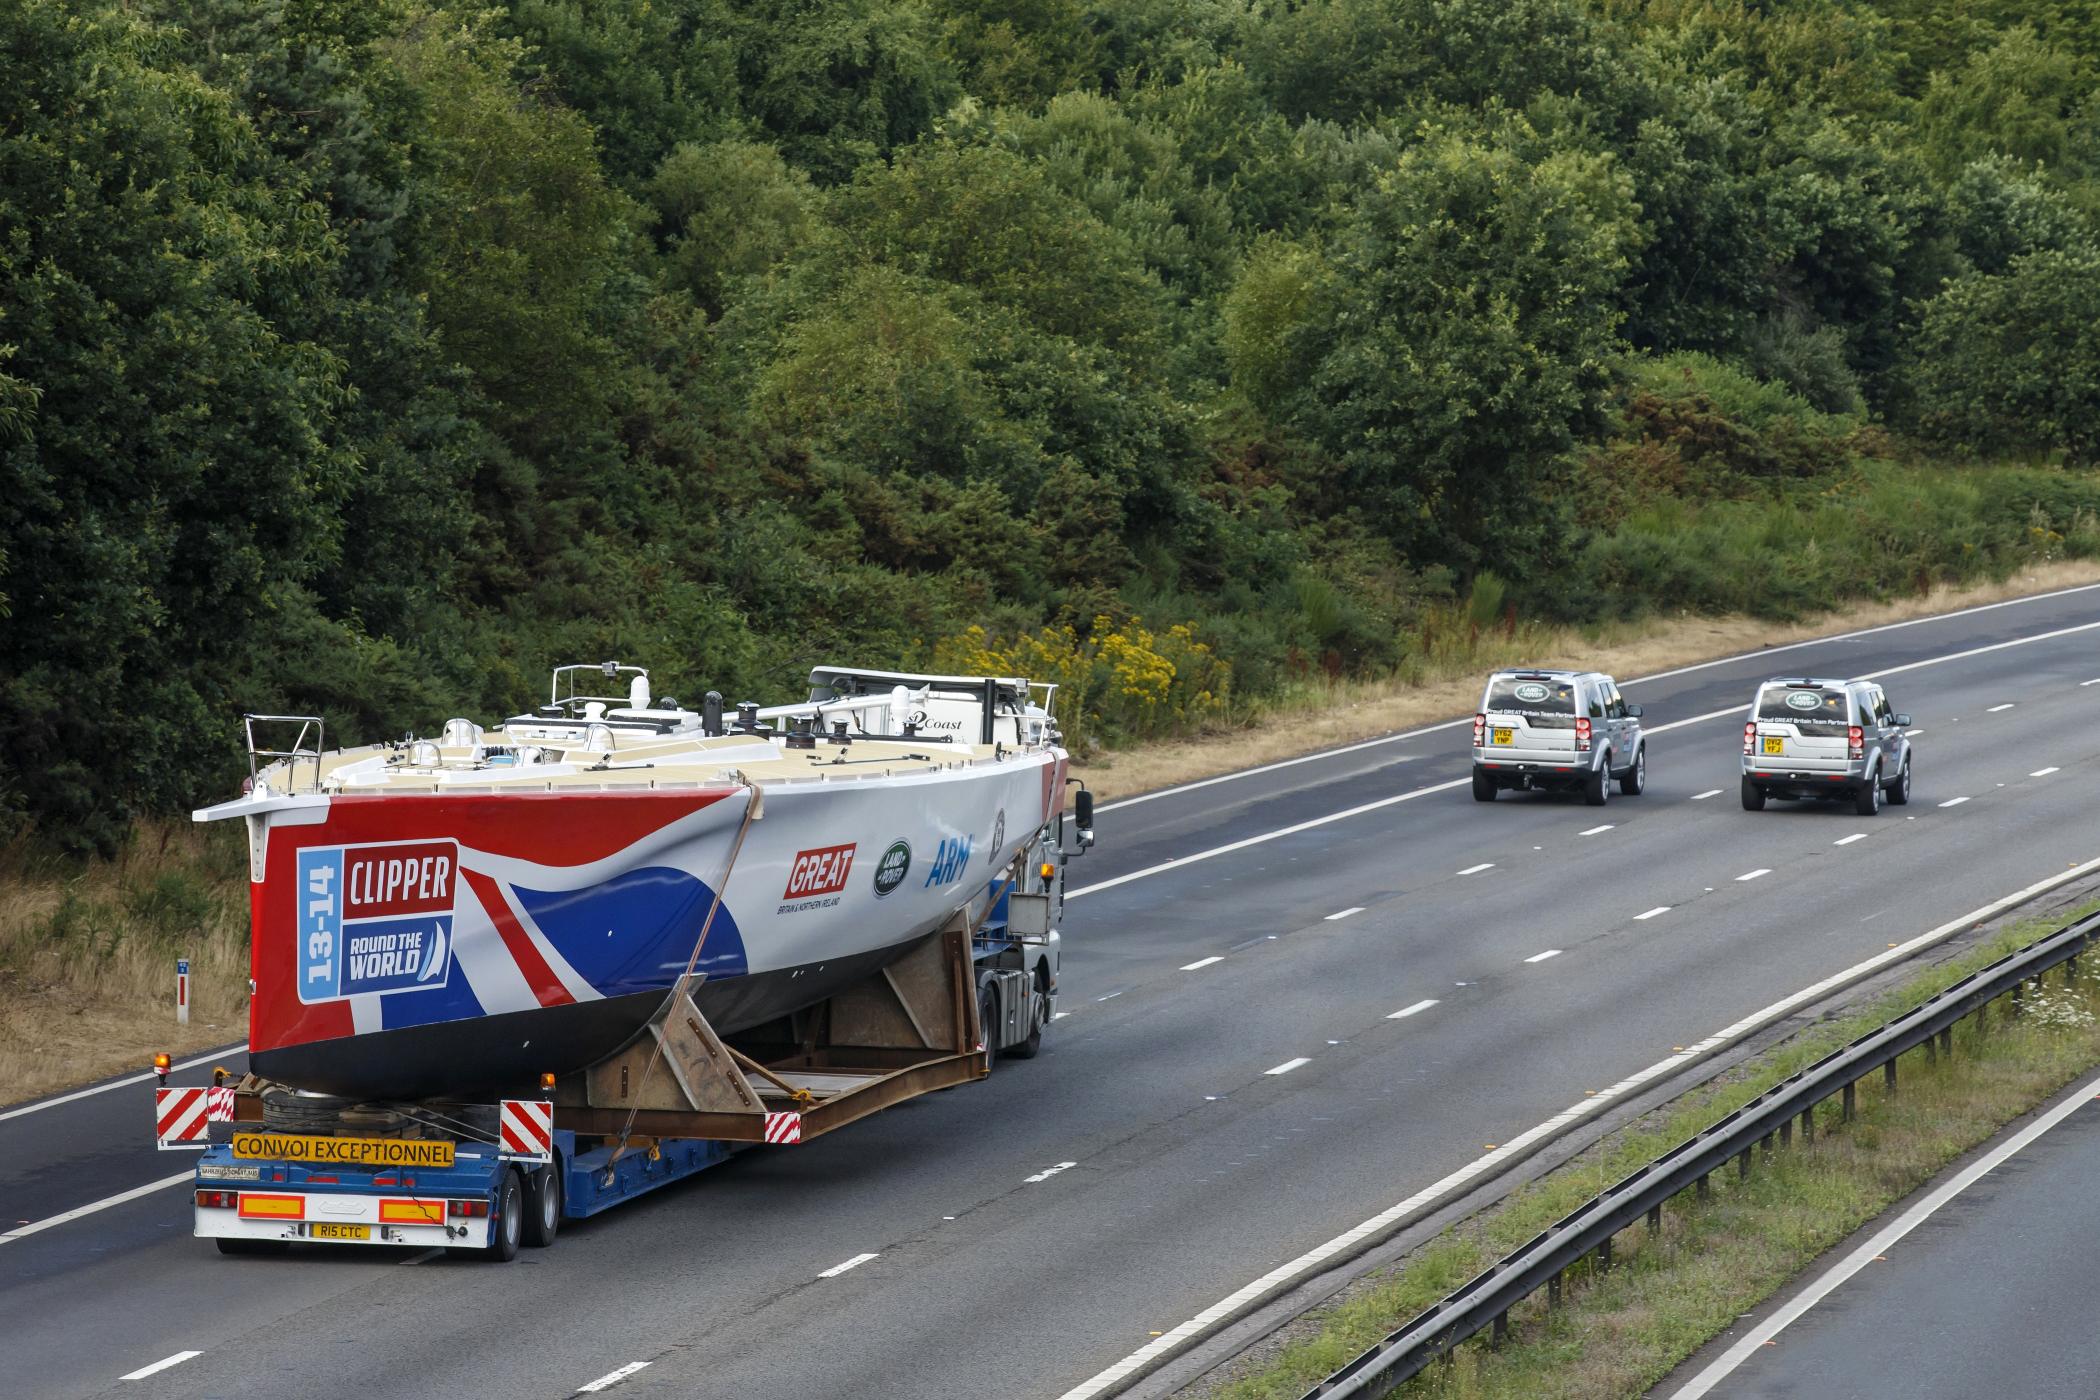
{"x": 1083, "y": 817}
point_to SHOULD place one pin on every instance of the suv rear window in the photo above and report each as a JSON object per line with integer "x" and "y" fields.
{"x": 1531, "y": 695}
{"x": 1804, "y": 704}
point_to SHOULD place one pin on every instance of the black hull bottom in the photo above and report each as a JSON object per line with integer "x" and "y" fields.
{"x": 504, "y": 1055}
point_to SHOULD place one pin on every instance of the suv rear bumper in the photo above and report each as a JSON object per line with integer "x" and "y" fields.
{"x": 1800, "y": 782}
{"x": 1510, "y": 773}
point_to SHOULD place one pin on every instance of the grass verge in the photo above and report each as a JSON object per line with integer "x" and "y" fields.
{"x": 88, "y": 950}
{"x": 1621, "y": 1331}
{"x": 1445, "y": 680}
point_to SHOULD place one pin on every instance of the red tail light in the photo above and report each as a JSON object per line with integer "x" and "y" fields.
{"x": 217, "y": 1200}
{"x": 1582, "y": 733}
{"x": 467, "y": 1210}
{"x": 1750, "y": 736}
{"x": 1480, "y": 730}
{"x": 1857, "y": 738}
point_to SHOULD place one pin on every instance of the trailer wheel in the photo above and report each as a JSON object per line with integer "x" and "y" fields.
{"x": 252, "y": 1247}
{"x": 508, "y": 1228}
{"x": 543, "y": 1204}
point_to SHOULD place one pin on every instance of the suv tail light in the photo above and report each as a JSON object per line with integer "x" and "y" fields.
{"x": 1750, "y": 736}
{"x": 1582, "y": 734}
{"x": 1480, "y": 728}
{"x": 1857, "y": 738}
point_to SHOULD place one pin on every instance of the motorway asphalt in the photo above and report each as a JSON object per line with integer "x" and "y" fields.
{"x": 1230, "y": 1086}
{"x": 1991, "y": 1294}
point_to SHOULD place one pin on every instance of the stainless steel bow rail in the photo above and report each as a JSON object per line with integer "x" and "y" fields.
{"x": 1485, "y": 1302}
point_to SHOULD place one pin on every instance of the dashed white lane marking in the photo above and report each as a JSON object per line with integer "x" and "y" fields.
{"x": 1406, "y": 1011}
{"x": 1652, "y": 913}
{"x": 1731, "y": 711}
{"x": 1848, "y": 840}
{"x": 612, "y": 1378}
{"x": 2042, "y": 772}
{"x": 1110, "y": 997}
{"x": 38, "y": 1107}
{"x": 1288, "y": 1065}
{"x": 1755, "y": 874}
{"x": 161, "y": 1365}
{"x": 1595, "y": 830}
{"x": 1541, "y": 957}
{"x": 1345, "y": 913}
{"x": 1954, "y": 802}
{"x": 1175, "y": 1338}
{"x": 1200, "y": 962}
{"x": 1059, "y": 1015}
{"x": 1878, "y": 1246}
{"x": 24, "y": 1231}
{"x": 1995, "y": 708}
{"x": 1476, "y": 869}
{"x": 1047, "y": 1173}
{"x": 2094, "y": 681}
{"x": 1912, "y": 733}
{"x": 1702, "y": 796}
{"x": 855, "y": 1262}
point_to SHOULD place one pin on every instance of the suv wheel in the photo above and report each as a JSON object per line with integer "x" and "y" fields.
{"x": 1597, "y": 790}
{"x": 1899, "y": 791}
{"x": 1753, "y": 797}
{"x": 1636, "y": 780}
{"x": 1483, "y": 787}
{"x": 1867, "y": 801}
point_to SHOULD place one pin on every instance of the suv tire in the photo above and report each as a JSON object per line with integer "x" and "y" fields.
{"x": 1899, "y": 791}
{"x": 1753, "y": 797}
{"x": 1636, "y": 780}
{"x": 1867, "y": 801}
{"x": 1597, "y": 789}
{"x": 1484, "y": 788}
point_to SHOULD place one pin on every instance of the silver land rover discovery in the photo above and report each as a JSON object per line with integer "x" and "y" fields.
{"x": 1557, "y": 730}
{"x": 1822, "y": 738}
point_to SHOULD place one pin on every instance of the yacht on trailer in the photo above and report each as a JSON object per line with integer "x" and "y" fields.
{"x": 459, "y": 915}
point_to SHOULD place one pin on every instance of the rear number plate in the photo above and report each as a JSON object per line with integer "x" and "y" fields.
{"x": 1505, "y": 736}
{"x": 322, "y": 1231}
{"x": 1775, "y": 745}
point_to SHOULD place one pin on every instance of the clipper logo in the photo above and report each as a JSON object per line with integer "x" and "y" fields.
{"x": 892, "y": 868}
{"x": 816, "y": 877}
{"x": 375, "y": 918}
{"x": 950, "y": 861}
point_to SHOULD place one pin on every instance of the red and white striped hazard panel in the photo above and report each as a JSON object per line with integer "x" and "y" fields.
{"x": 179, "y": 1118}
{"x": 783, "y": 1129}
{"x": 528, "y": 1130}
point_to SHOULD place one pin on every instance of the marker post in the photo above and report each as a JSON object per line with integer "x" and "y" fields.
{"x": 182, "y": 991}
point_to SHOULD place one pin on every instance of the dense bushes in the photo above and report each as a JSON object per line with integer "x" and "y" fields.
{"x": 372, "y": 357}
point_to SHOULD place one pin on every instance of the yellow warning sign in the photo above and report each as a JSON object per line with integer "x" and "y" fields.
{"x": 371, "y": 1152}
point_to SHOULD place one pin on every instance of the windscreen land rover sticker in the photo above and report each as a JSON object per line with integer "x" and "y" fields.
{"x": 1804, "y": 700}
{"x": 1530, "y": 692}
{"x": 375, "y": 918}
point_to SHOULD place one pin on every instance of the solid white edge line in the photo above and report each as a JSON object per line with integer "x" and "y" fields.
{"x": 1596, "y": 830}
{"x": 1658, "y": 910}
{"x": 123, "y": 1083}
{"x": 2043, "y": 772}
{"x": 1541, "y": 957}
{"x": 1225, "y": 1307}
{"x": 1954, "y": 802}
{"x": 612, "y": 1378}
{"x": 1411, "y": 795}
{"x": 1476, "y": 869}
{"x": 21, "y": 1232}
{"x": 855, "y": 1262}
{"x": 1702, "y": 796}
{"x": 1132, "y": 801}
{"x": 1848, "y": 840}
{"x": 161, "y": 1365}
{"x": 1880, "y": 1244}
{"x": 1201, "y": 962}
{"x": 1288, "y": 1065}
{"x": 1414, "y": 1010}
{"x": 1753, "y": 875}
{"x": 1345, "y": 913}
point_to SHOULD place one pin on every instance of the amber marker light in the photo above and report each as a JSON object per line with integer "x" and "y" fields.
{"x": 547, "y": 1082}
{"x": 161, "y": 1064}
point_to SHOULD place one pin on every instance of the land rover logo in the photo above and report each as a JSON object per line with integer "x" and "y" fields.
{"x": 893, "y": 867}
{"x": 1530, "y": 692}
{"x": 1803, "y": 700}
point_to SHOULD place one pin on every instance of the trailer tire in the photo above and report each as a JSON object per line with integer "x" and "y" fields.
{"x": 507, "y": 1229}
{"x": 252, "y": 1247}
{"x": 543, "y": 1204}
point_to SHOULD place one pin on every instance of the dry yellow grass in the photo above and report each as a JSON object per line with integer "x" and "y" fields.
{"x": 87, "y": 958}
{"x": 1352, "y": 710}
